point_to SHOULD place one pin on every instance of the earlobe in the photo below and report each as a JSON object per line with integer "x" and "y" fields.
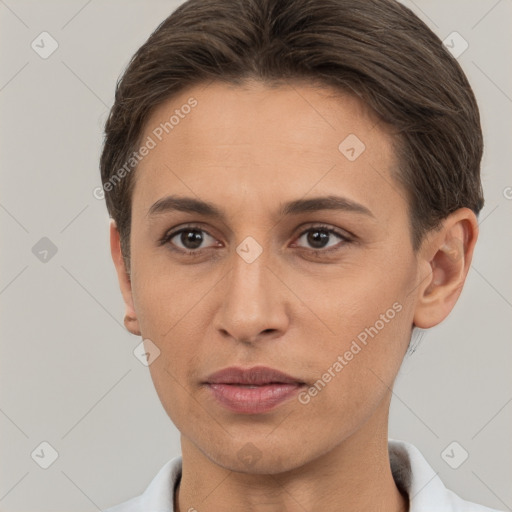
{"x": 130, "y": 320}
{"x": 446, "y": 256}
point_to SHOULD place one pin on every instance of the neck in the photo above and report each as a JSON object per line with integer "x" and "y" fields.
{"x": 354, "y": 475}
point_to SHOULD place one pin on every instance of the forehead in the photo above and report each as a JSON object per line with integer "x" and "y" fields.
{"x": 230, "y": 113}
{"x": 257, "y": 142}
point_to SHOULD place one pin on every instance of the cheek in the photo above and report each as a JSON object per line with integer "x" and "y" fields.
{"x": 171, "y": 382}
{"x": 168, "y": 308}
{"x": 362, "y": 295}
{"x": 368, "y": 339}
{"x": 164, "y": 295}
{"x": 369, "y": 318}
{"x": 355, "y": 371}
{"x": 168, "y": 316}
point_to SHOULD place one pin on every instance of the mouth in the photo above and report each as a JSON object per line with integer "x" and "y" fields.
{"x": 254, "y": 390}
{"x": 251, "y": 377}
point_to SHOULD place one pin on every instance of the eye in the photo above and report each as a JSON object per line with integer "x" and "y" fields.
{"x": 320, "y": 237}
{"x": 190, "y": 240}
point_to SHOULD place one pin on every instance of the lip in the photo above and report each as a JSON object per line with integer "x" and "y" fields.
{"x": 255, "y": 376}
{"x": 252, "y": 390}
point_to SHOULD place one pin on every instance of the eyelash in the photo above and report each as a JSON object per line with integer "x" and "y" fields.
{"x": 318, "y": 227}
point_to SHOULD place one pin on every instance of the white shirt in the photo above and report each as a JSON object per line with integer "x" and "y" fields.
{"x": 411, "y": 472}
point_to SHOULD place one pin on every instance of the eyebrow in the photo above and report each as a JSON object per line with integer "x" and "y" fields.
{"x": 191, "y": 205}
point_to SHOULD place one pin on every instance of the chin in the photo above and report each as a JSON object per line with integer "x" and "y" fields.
{"x": 248, "y": 458}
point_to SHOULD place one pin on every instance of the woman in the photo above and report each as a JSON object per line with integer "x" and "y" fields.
{"x": 294, "y": 188}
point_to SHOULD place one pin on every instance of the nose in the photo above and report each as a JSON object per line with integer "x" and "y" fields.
{"x": 253, "y": 301}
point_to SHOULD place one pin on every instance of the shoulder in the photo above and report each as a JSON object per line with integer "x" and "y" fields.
{"x": 427, "y": 493}
{"x": 132, "y": 505}
{"x": 159, "y": 494}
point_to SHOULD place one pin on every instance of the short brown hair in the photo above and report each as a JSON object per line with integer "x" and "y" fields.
{"x": 378, "y": 50}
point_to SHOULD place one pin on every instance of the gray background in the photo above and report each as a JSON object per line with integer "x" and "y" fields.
{"x": 68, "y": 374}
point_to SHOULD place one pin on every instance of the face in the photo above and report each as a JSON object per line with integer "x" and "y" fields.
{"x": 322, "y": 291}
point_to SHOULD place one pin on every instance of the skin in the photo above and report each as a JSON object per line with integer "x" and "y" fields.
{"x": 248, "y": 149}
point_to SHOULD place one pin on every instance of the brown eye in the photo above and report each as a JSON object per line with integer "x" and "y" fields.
{"x": 189, "y": 239}
{"x": 322, "y": 237}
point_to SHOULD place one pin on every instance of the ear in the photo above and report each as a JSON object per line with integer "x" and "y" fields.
{"x": 445, "y": 259}
{"x": 130, "y": 320}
